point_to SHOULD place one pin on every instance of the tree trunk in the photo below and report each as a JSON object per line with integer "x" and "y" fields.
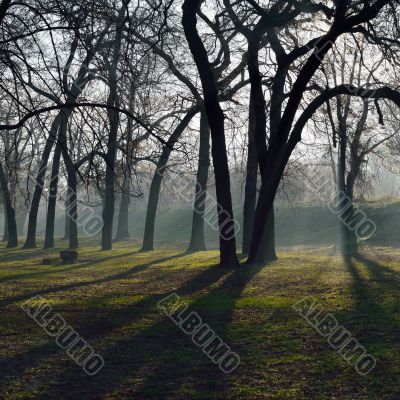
{"x": 269, "y": 187}
{"x": 123, "y": 216}
{"x": 9, "y": 211}
{"x": 51, "y": 209}
{"x": 197, "y": 242}
{"x": 66, "y": 222}
{"x": 267, "y": 251}
{"x": 72, "y": 182}
{"x": 257, "y": 117}
{"x": 109, "y": 199}
{"x": 250, "y": 194}
{"x": 215, "y": 116}
{"x": 113, "y": 116}
{"x": 348, "y": 245}
{"x": 154, "y": 193}
{"x": 72, "y": 205}
{"x": 151, "y": 211}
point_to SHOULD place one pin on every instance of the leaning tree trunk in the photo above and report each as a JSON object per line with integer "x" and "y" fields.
{"x": 152, "y": 204}
{"x": 9, "y": 211}
{"x": 51, "y": 209}
{"x": 197, "y": 242}
{"x": 154, "y": 193}
{"x": 215, "y": 115}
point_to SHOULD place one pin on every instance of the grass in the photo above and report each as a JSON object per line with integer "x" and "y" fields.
{"x": 110, "y": 299}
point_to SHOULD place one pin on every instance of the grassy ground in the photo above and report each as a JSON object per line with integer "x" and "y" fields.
{"x": 110, "y": 299}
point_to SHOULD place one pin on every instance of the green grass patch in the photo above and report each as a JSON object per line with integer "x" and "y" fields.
{"x": 111, "y": 298}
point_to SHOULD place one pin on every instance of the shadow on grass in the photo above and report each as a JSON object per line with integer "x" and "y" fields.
{"x": 121, "y": 275}
{"x": 13, "y": 366}
{"x": 20, "y": 254}
{"x": 371, "y": 320}
{"x": 194, "y": 372}
{"x": 158, "y": 348}
{"x": 54, "y": 269}
{"x": 369, "y": 293}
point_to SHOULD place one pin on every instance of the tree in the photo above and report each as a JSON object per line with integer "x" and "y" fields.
{"x": 215, "y": 116}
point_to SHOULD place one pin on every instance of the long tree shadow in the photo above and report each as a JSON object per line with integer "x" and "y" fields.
{"x": 50, "y": 271}
{"x": 161, "y": 347}
{"x": 368, "y": 293}
{"x": 54, "y": 269}
{"x": 76, "y": 285}
{"x": 379, "y": 271}
{"x": 195, "y": 369}
{"x": 19, "y": 254}
{"x": 165, "y": 348}
{"x": 360, "y": 307}
{"x": 372, "y": 320}
{"x": 100, "y": 328}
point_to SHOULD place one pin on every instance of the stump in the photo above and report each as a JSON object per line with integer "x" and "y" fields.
{"x": 68, "y": 256}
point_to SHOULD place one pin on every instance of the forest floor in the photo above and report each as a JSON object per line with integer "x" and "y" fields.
{"x": 110, "y": 298}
